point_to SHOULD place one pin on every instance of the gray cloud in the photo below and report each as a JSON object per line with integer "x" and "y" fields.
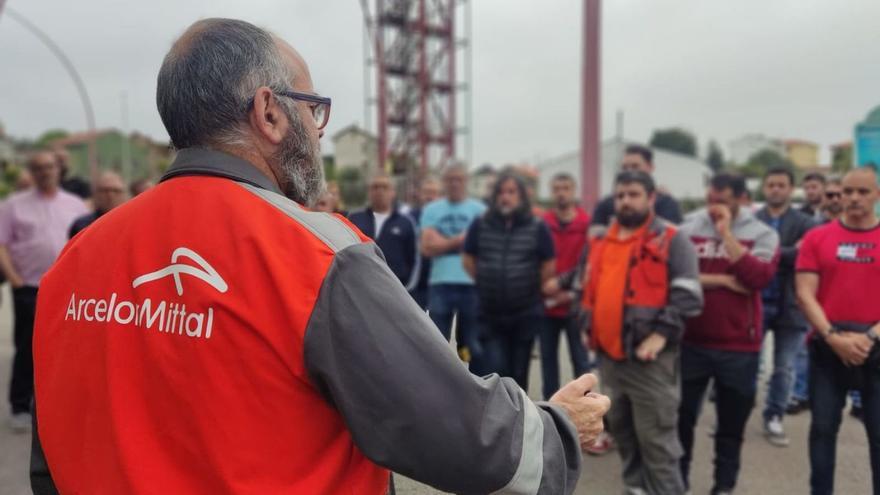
{"x": 789, "y": 68}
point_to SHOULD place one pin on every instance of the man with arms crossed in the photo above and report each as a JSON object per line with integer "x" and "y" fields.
{"x": 738, "y": 257}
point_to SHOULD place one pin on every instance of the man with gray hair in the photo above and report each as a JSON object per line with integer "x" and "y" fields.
{"x": 229, "y": 340}
{"x": 394, "y": 232}
{"x": 109, "y": 192}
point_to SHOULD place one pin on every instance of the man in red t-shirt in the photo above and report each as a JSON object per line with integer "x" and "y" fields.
{"x": 568, "y": 224}
{"x": 837, "y": 270}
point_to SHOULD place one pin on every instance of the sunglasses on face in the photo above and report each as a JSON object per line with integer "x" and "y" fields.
{"x": 833, "y": 195}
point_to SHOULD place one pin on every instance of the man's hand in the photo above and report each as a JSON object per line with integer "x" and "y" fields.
{"x": 736, "y": 286}
{"x": 651, "y": 347}
{"x": 458, "y": 241}
{"x": 551, "y": 287}
{"x": 721, "y": 217}
{"x": 16, "y": 282}
{"x": 724, "y": 280}
{"x": 852, "y": 348}
{"x": 584, "y": 408}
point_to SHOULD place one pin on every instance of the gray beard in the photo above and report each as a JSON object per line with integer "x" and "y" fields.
{"x": 300, "y": 164}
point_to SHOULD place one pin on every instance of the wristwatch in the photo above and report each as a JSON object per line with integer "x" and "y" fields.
{"x": 831, "y": 331}
{"x": 872, "y": 334}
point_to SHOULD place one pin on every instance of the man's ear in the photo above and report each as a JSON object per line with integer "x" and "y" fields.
{"x": 266, "y": 118}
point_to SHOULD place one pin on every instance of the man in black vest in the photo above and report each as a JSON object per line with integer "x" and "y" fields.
{"x": 509, "y": 252}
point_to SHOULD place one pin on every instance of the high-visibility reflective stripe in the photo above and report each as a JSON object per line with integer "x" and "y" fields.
{"x": 527, "y": 478}
{"x": 329, "y": 229}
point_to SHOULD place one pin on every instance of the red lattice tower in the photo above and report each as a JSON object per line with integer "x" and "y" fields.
{"x": 414, "y": 47}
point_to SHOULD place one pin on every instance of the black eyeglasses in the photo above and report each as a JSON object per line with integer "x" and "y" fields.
{"x": 319, "y": 105}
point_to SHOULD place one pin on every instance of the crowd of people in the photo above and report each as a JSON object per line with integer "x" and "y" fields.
{"x": 666, "y": 306}
{"x": 671, "y": 309}
{"x": 327, "y": 368}
{"x": 47, "y": 209}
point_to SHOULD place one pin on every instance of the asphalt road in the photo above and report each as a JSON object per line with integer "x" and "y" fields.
{"x": 766, "y": 469}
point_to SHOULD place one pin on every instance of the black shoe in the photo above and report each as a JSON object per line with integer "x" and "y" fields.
{"x": 857, "y": 412}
{"x": 797, "y": 406}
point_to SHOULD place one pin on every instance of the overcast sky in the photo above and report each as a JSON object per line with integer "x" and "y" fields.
{"x": 806, "y": 69}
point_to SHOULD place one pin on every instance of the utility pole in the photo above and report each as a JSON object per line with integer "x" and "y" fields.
{"x": 77, "y": 80}
{"x": 590, "y": 104}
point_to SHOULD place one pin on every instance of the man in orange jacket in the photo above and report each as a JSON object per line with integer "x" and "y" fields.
{"x": 214, "y": 336}
{"x": 641, "y": 282}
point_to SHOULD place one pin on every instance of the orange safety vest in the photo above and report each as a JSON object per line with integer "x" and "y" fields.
{"x": 169, "y": 352}
{"x": 647, "y": 284}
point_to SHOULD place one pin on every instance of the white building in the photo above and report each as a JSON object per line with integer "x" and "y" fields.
{"x": 742, "y": 148}
{"x": 680, "y": 175}
{"x": 355, "y": 148}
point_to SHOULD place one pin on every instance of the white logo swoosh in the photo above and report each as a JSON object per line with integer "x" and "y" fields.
{"x": 207, "y": 273}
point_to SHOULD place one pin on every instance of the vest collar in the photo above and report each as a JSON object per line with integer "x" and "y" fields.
{"x": 204, "y": 161}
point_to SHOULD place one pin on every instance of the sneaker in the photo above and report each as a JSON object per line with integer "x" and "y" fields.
{"x": 857, "y": 412}
{"x": 603, "y": 444}
{"x": 20, "y": 422}
{"x": 774, "y": 432}
{"x": 721, "y": 491}
{"x": 797, "y": 406}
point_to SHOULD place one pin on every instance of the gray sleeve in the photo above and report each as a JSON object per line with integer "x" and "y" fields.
{"x": 413, "y": 407}
{"x": 685, "y": 298}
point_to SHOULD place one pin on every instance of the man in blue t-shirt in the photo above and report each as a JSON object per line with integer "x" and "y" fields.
{"x": 450, "y": 289}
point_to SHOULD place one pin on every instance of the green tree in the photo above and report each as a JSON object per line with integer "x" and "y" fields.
{"x": 675, "y": 139}
{"x": 715, "y": 158}
{"x": 51, "y": 135}
{"x": 329, "y": 167}
{"x": 841, "y": 159}
{"x": 762, "y": 161}
{"x": 352, "y": 187}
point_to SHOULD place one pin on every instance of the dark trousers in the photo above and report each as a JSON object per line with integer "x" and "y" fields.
{"x": 445, "y": 301}
{"x": 830, "y": 381}
{"x": 787, "y": 341}
{"x": 507, "y": 344}
{"x": 735, "y": 376}
{"x": 21, "y": 389}
{"x": 580, "y": 361}
{"x": 420, "y": 295}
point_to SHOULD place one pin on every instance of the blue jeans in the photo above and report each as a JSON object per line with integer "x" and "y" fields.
{"x": 447, "y": 300}
{"x": 801, "y": 391}
{"x": 786, "y": 343}
{"x": 580, "y": 360}
{"x": 830, "y": 380}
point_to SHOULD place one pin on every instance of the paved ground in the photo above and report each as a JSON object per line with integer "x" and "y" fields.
{"x": 766, "y": 469}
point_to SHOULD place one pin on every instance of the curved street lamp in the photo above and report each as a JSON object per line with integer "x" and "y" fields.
{"x": 71, "y": 70}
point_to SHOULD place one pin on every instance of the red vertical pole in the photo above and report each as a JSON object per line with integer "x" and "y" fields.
{"x": 381, "y": 90}
{"x": 590, "y": 111}
{"x": 424, "y": 86}
{"x": 450, "y": 101}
